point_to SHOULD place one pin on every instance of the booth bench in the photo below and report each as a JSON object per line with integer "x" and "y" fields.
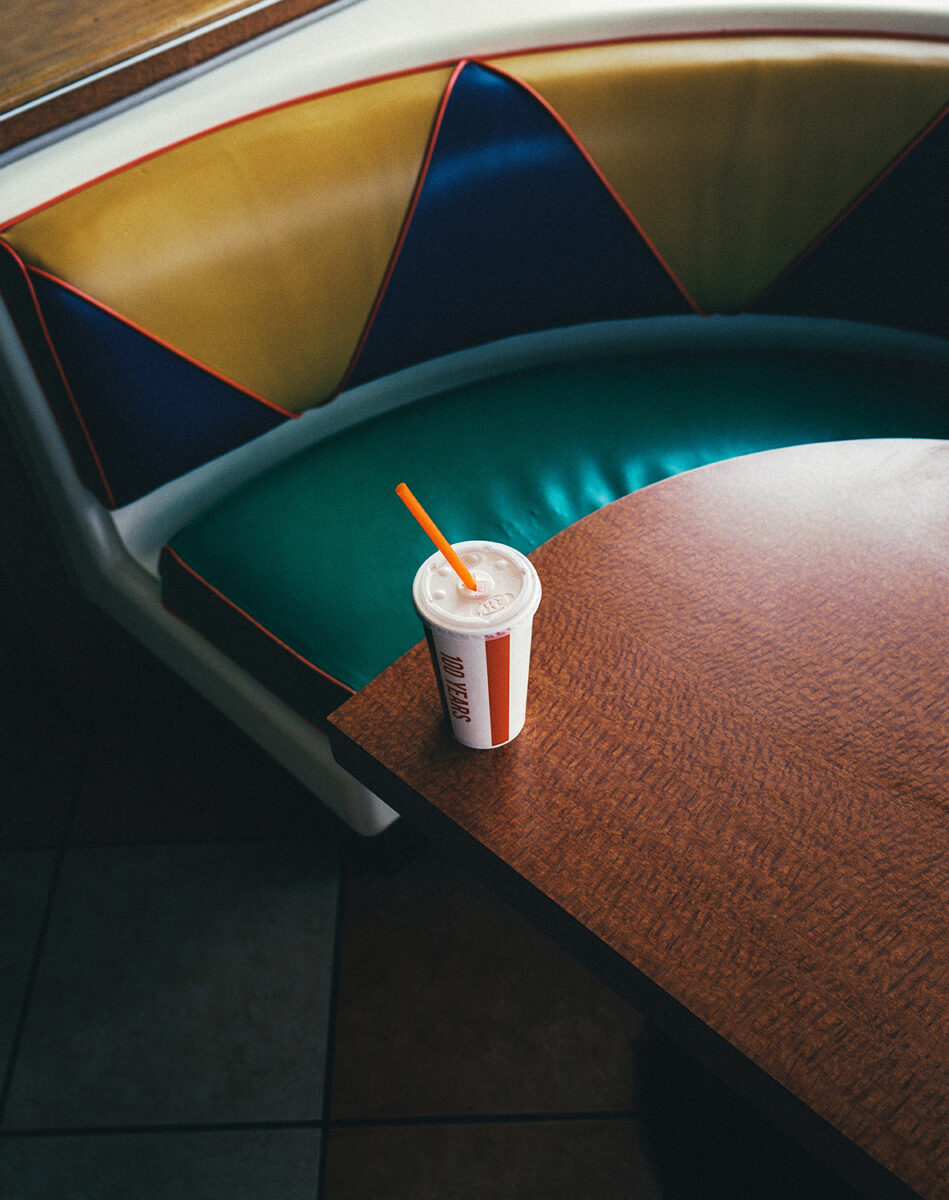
{"x": 526, "y": 284}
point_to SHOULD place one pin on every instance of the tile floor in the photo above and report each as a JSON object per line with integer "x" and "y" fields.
{"x": 209, "y": 990}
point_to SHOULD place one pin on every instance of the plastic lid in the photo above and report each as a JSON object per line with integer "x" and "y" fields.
{"x": 508, "y": 589}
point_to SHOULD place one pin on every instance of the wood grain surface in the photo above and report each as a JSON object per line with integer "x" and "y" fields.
{"x": 735, "y": 772}
{"x": 95, "y": 48}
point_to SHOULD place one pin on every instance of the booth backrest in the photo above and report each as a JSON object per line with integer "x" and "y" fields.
{"x": 198, "y": 297}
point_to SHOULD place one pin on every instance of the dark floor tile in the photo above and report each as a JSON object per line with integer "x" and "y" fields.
{"x": 181, "y": 984}
{"x": 38, "y": 781}
{"x": 595, "y": 1160}
{"x": 73, "y": 640}
{"x": 450, "y": 1003}
{"x": 236, "y": 1164}
{"x": 25, "y": 877}
{"x": 166, "y": 766}
{"x": 41, "y": 747}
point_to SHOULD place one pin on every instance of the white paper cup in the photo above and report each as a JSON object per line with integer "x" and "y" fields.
{"x": 480, "y": 642}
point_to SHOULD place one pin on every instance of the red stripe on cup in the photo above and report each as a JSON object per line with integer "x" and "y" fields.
{"x": 497, "y": 651}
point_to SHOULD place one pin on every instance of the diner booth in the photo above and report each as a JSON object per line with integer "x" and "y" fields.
{"x": 644, "y": 263}
{"x": 528, "y": 257}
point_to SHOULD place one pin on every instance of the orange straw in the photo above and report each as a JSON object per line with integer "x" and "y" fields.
{"x": 419, "y": 513}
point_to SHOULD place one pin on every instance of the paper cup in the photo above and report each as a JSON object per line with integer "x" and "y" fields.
{"x": 480, "y": 642}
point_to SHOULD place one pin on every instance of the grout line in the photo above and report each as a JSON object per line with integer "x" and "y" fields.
{"x": 331, "y": 1022}
{"x": 484, "y": 1119}
{"x": 191, "y": 1127}
{"x": 6, "y": 1083}
{"x": 210, "y": 839}
{"x": 324, "y": 1124}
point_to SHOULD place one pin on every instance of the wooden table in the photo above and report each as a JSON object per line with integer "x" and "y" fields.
{"x": 62, "y": 61}
{"x": 731, "y": 796}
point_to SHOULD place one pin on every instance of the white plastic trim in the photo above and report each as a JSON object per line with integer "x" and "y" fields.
{"x": 145, "y": 525}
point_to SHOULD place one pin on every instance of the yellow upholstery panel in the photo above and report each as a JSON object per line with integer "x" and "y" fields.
{"x": 259, "y": 248}
{"x": 733, "y": 153}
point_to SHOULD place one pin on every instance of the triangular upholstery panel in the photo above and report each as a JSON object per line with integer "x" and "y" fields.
{"x": 282, "y": 224}
{"x": 151, "y": 415}
{"x": 513, "y": 230}
{"x": 734, "y": 153}
{"x": 457, "y": 206}
{"x": 887, "y": 260}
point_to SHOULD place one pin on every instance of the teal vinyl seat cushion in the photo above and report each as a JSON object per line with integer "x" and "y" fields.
{"x": 303, "y": 575}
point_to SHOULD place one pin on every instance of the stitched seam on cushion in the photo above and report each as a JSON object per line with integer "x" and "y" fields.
{"x": 140, "y": 329}
{"x": 851, "y": 207}
{"x": 423, "y": 175}
{"x": 168, "y": 550}
{"x": 591, "y": 162}
{"x": 279, "y": 106}
{"x": 404, "y": 231}
{"x": 62, "y": 374}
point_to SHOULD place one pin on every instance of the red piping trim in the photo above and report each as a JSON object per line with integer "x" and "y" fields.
{"x": 420, "y": 183}
{"x": 231, "y": 121}
{"x": 603, "y": 180}
{"x": 159, "y": 341}
{"x": 62, "y": 374}
{"x": 406, "y": 222}
{"x": 251, "y": 620}
{"x": 445, "y": 63}
{"x": 842, "y": 216}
